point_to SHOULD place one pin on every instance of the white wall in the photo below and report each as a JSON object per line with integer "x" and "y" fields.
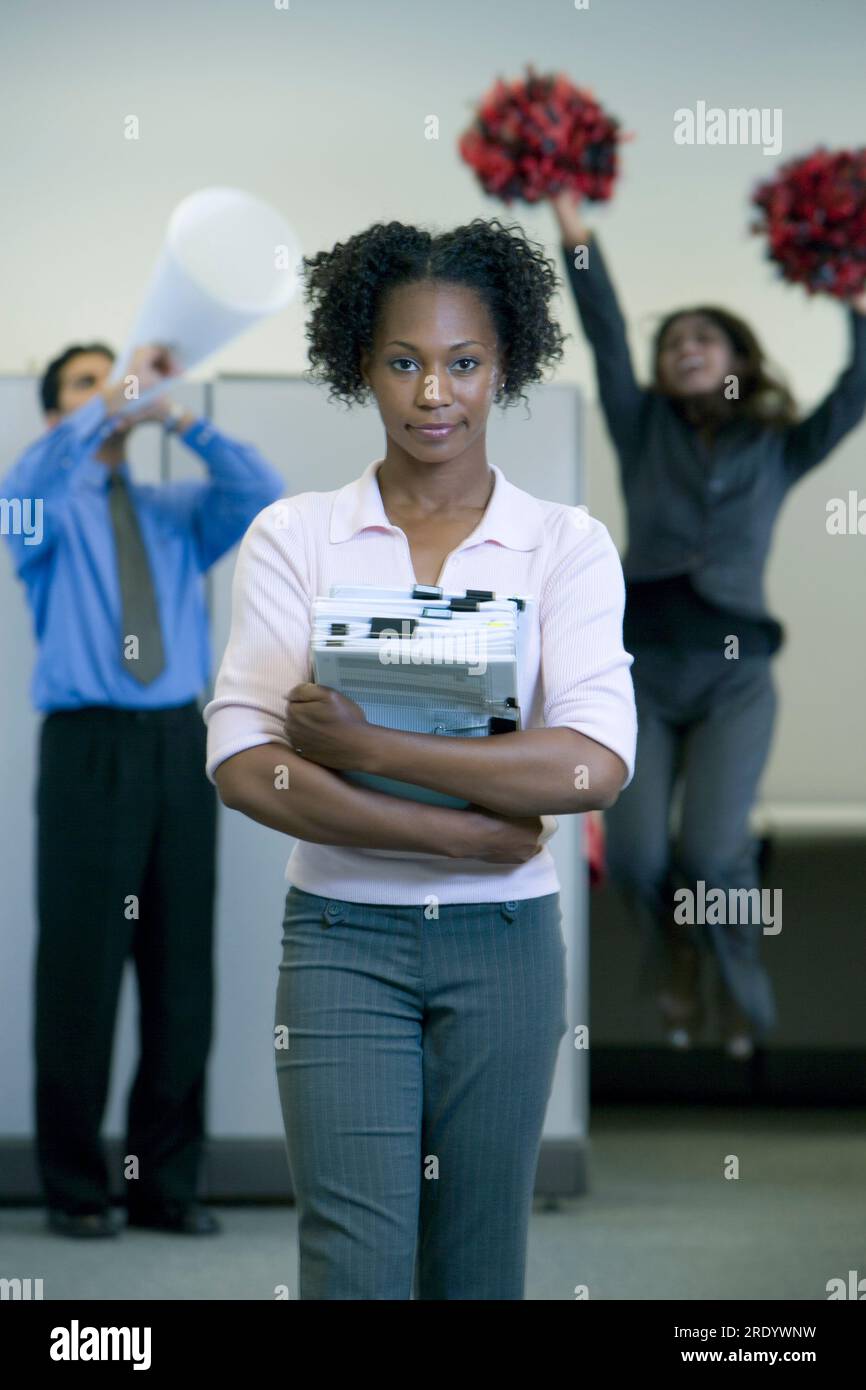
{"x": 321, "y": 109}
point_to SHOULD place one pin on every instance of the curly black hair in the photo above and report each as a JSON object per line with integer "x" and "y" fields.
{"x": 347, "y": 287}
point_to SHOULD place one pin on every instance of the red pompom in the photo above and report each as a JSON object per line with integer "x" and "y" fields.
{"x": 814, "y": 218}
{"x": 534, "y": 138}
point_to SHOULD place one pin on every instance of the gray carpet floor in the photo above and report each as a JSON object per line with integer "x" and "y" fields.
{"x": 660, "y": 1221}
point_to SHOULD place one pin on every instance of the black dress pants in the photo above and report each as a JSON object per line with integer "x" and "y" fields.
{"x": 126, "y": 866}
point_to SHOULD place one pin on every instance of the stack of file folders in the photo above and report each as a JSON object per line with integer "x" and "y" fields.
{"x": 423, "y": 661}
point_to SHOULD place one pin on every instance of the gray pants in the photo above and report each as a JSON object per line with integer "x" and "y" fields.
{"x": 414, "y": 1086}
{"x": 707, "y": 722}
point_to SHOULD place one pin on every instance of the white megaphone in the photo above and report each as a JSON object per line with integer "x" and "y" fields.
{"x": 229, "y": 259}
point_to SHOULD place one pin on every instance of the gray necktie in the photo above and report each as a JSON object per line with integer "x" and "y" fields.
{"x": 138, "y": 599}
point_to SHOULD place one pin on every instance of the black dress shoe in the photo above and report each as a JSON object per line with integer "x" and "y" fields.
{"x": 183, "y": 1218}
{"x": 83, "y": 1224}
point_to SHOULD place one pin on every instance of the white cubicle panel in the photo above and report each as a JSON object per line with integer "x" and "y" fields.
{"x": 320, "y": 446}
{"x": 315, "y": 445}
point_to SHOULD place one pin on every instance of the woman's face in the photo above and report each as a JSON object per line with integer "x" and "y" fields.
{"x": 434, "y": 368}
{"x": 695, "y": 356}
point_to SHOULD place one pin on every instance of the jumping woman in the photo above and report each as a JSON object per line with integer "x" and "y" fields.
{"x": 422, "y": 987}
{"x": 706, "y": 457}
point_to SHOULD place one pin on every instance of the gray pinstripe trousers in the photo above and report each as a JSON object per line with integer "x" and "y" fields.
{"x": 414, "y": 1086}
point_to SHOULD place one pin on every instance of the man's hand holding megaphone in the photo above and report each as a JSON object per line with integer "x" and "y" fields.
{"x": 150, "y": 366}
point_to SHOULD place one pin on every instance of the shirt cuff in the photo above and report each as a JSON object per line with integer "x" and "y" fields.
{"x": 237, "y": 744}
{"x": 622, "y": 741}
{"x": 199, "y": 433}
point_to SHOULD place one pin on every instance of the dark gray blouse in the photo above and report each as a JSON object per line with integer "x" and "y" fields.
{"x": 706, "y": 511}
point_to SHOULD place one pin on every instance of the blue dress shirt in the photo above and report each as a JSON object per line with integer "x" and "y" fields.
{"x": 64, "y": 553}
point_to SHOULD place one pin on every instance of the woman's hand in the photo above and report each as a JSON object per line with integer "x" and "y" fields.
{"x": 327, "y": 728}
{"x": 501, "y": 839}
{"x": 858, "y": 302}
{"x": 573, "y": 229}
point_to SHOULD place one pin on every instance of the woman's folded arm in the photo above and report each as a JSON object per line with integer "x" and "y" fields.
{"x": 274, "y": 786}
{"x": 530, "y": 773}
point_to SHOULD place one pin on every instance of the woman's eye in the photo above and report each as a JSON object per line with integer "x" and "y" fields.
{"x": 402, "y": 363}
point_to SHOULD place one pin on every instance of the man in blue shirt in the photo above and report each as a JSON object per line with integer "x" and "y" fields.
{"x": 114, "y": 575}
